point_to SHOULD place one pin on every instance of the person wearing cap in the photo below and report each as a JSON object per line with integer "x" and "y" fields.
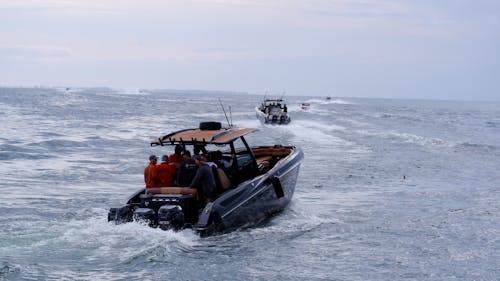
{"x": 150, "y": 173}
{"x": 204, "y": 180}
{"x": 166, "y": 172}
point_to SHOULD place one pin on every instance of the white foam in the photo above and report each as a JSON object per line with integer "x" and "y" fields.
{"x": 324, "y": 101}
{"x": 317, "y": 133}
{"x": 410, "y": 138}
{"x": 102, "y": 238}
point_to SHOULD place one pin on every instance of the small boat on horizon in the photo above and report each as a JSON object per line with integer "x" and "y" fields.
{"x": 305, "y": 106}
{"x": 253, "y": 183}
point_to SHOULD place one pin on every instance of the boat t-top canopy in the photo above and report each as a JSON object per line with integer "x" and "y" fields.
{"x": 273, "y": 100}
{"x": 199, "y": 136}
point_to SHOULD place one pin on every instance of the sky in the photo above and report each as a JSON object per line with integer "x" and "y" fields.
{"x": 430, "y": 49}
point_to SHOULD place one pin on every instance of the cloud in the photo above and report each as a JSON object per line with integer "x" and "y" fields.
{"x": 59, "y": 7}
{"x": 33, "y": 52}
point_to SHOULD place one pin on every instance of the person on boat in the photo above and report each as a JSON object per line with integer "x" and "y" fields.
{"x": 285, "y": 109}
{"x": 213, "y": 159}
{"x": 187, "y": 169}
{"x": 176, "y": 157}
{"x": 199, "y": 148}
{"x": 204, "y": 180}
{"x": 166, "y": 172}
{"x": 151, "y": 173}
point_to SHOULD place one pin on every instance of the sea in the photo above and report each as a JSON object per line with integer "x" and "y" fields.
{"x": 389, "y": 189}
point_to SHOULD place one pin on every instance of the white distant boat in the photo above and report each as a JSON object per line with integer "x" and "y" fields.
{"x": 305, "y": 106}
{"x": 273, "y": 111}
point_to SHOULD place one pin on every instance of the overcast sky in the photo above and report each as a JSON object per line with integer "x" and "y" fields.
{"x": 439, "y": 49}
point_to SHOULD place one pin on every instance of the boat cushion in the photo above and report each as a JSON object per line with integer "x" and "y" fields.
{"x": 171, "y": 190}
{"x": 264, "y": 163}
{"x": 272, "y": 151}
{"x": 222, "y": 179}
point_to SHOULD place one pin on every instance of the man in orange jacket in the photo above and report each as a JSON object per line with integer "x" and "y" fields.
{"x": 150, "y": 173}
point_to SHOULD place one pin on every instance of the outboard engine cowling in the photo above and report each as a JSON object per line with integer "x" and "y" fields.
{"x": 120, "y": 214}
{"x": 145, "y": 214}
{"x": 170, "y": 217}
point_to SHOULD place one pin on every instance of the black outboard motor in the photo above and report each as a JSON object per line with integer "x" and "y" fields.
{"x": 120, "y": 214}
{"x": 171, "y": 217}
{"x": 146, "y": 215}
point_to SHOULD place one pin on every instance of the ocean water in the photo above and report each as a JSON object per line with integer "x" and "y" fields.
{"x": 388, "y": 189}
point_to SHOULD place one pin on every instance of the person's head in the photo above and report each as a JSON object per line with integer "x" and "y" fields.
{"x": 178, "y": 149}
{"x": 164, "y": 158}
{"x": 186, "y": 155}
{"x": 198, "y": 148}
{"x": 214, "y": 156}
{"x": 200, "y": 159}
{"x": 153, "y": 159}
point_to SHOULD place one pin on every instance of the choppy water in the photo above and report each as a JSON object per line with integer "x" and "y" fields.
{"x": 388, "y": 190}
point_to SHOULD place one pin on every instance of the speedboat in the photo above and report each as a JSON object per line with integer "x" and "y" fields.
{"x": 253, "y": 183}
{"x": 273, "y": 111}
{"x": 305, "y": 106}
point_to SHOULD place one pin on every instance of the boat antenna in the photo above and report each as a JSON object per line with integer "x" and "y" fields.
{"x": 227, "y": 119}
{"x": 230, "y": 116}
{"x": 283, "y": 95}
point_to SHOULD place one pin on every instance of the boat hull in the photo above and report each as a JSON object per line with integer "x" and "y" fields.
{"x": 253, "y": 200}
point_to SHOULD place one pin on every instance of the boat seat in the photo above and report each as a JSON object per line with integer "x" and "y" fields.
{"x": 264, "y": 163}
{"x": 221, "y": 179}
{"x": 280, "y": 152}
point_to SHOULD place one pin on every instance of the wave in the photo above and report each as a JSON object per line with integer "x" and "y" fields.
{"x": 319, "y": 126}
{"x": 13, "y": 152}
{"x": 9, "y": 271}
{"x": 316, "y": 133}
{"x": 398, "y": 117}
{"x": 89, "y": 229}
{"x": 333, "y": 101}
{"x": 478, "y": 146}
{"x": 408, "y": 138}
{"x": 492, "y": 124}
{"x": 58, "y": 144}
{"x": 428, "y": 141}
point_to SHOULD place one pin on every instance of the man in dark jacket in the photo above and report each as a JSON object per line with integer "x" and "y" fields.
{"x": 187, "y": 170}
{"x": 204, "y": 180}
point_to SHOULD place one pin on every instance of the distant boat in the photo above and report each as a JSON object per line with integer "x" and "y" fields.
{"x": 273, "y": 111}
{"x": 328, "y": 98}
{"x": 253, "y": 183}
{"x": 305, "y": 106}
